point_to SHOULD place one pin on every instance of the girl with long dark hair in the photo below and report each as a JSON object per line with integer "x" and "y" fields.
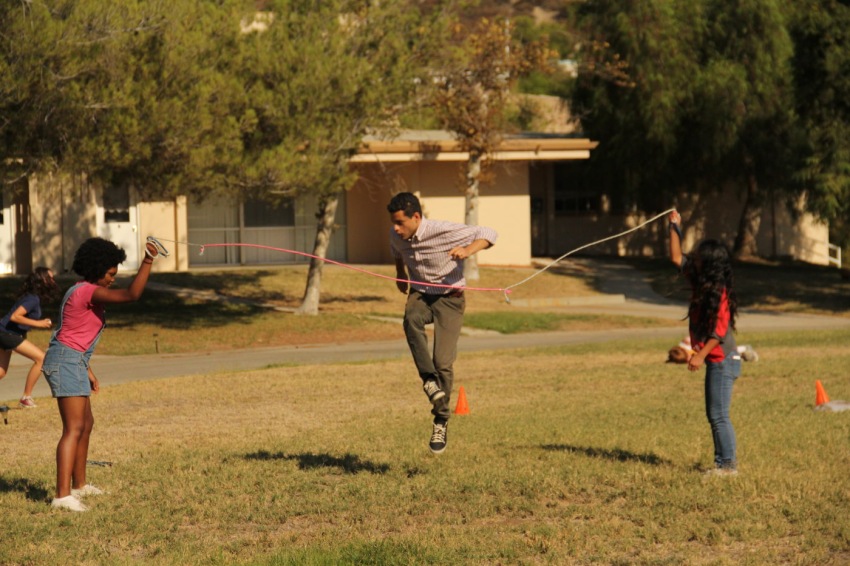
{"x": 25, "y": 315}
{"x": 711, "y": 321}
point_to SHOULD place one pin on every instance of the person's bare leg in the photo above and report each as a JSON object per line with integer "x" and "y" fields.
{"x": 81, "y": 459}
{"x": 5, "y": 357}
{"x": 73, "y": 412}
{"x": 33, "y": 352}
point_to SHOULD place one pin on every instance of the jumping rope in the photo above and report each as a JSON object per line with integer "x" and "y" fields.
{"x": 506, "y": 290}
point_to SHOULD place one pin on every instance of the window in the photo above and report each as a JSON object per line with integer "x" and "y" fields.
{"x": 260, "y": 213}
{"x": 572, "y": 193}
{"x": 116, "y": 204}
{"x": 260, "y": 226}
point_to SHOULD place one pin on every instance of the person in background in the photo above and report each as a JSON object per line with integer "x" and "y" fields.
{"x": 711, "y": 324}
{"x": 433, "y": 251}
{"x": 39, "y": 287}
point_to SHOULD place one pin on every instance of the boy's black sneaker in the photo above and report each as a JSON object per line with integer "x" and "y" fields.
{"x": 438, "y": 438}
{"x": 433, "y": 391}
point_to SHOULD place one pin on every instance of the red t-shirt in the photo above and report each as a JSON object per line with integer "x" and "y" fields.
{"x": 721, "y": 332}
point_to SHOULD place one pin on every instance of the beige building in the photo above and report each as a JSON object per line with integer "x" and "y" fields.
{"x": 531, "y": 199}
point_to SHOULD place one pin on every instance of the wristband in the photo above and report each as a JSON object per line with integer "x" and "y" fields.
{"x": 677, "y": 229}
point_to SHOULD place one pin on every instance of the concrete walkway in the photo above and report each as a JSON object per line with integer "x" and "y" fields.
{"x": 627, "y": 293}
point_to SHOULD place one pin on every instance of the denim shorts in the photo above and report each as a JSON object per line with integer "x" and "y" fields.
{"x": 66, "y": 371}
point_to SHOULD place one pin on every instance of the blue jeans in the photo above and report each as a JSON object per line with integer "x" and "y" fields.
{"x": 719, "y": 378}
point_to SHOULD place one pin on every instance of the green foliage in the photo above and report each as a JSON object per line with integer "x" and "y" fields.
{"x": 634, "y": 83}
{"x": 476, "y": 72}
{"x": 708, "y": 100}
{"x": 317, "y": 78}
{"x": 821, "y": 32}
{"x": 129, "y": 92}
{"x": 746, "y": 63}
{"x": 187, "y": 97}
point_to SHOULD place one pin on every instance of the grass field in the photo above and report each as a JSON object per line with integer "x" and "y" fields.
{"x": 582, "y": 454}
{"x": 572, "y": 455}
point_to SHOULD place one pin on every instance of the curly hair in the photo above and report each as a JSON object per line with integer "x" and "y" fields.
{"x": 406, "y": 202}
{"x": 95, "y": 257}
{"x": 41, "y": 284}
{"x": 709, "y": 271}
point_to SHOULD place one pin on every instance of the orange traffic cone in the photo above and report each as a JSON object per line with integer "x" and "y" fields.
{"x": 462, "y": 407}
{"x": 820, "y": 394}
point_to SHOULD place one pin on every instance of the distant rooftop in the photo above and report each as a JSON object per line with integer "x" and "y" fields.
{"x": 441, "y": 145}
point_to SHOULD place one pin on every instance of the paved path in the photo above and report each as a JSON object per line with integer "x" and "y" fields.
{"x": 638, "y": 300}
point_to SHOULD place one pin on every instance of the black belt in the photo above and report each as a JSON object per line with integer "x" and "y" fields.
{"x": 452, "y": 294}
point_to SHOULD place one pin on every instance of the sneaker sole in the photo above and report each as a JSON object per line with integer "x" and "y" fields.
{"x": 440, "y": 451}
{"x": 437, "y": 396}
{"x": 74, "y": 509}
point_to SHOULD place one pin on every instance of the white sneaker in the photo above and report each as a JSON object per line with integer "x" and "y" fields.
{"x": 87, "y": 489}
{"x": 721, "y": 472}
{"x": 68, "y": 502}
{"x": 433, "y": 391}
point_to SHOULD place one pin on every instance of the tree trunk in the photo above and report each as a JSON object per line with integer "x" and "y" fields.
{"x": 324, "y": 229}
{"x": 746, "y": 245}
{"x": 473, "y": 173}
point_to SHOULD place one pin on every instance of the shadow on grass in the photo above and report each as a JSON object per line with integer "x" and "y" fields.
{"x": 350, "y": 463}
{"x": 32, "y": 491}
{"x": 609, "y": 454}
{"x": 762, "y": 284}
{"x": 219, "y": 280}
{"x": 168, "y": 311}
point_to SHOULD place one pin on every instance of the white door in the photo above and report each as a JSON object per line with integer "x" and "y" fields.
{"x": 117, "y": 221}
{"x": 7, "y": 240}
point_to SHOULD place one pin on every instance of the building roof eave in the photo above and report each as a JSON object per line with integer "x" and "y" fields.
{"x": 420, "y": 146}
{"x": 460, "y": 156}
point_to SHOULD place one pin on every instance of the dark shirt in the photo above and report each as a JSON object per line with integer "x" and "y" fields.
{"x": 32, "y": 305}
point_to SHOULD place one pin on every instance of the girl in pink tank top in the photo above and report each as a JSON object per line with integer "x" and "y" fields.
{"x": 66, "y": 368}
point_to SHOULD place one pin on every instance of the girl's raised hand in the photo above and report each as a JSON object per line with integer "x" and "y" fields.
{"x": 151, "y": 250}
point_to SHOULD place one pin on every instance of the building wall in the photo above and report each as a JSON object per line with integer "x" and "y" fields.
{"x": 63, "y": 212}
{"x": 167, "y": 220}
{"x": 780, "y": 233}
{"x": 504, "y": 206}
